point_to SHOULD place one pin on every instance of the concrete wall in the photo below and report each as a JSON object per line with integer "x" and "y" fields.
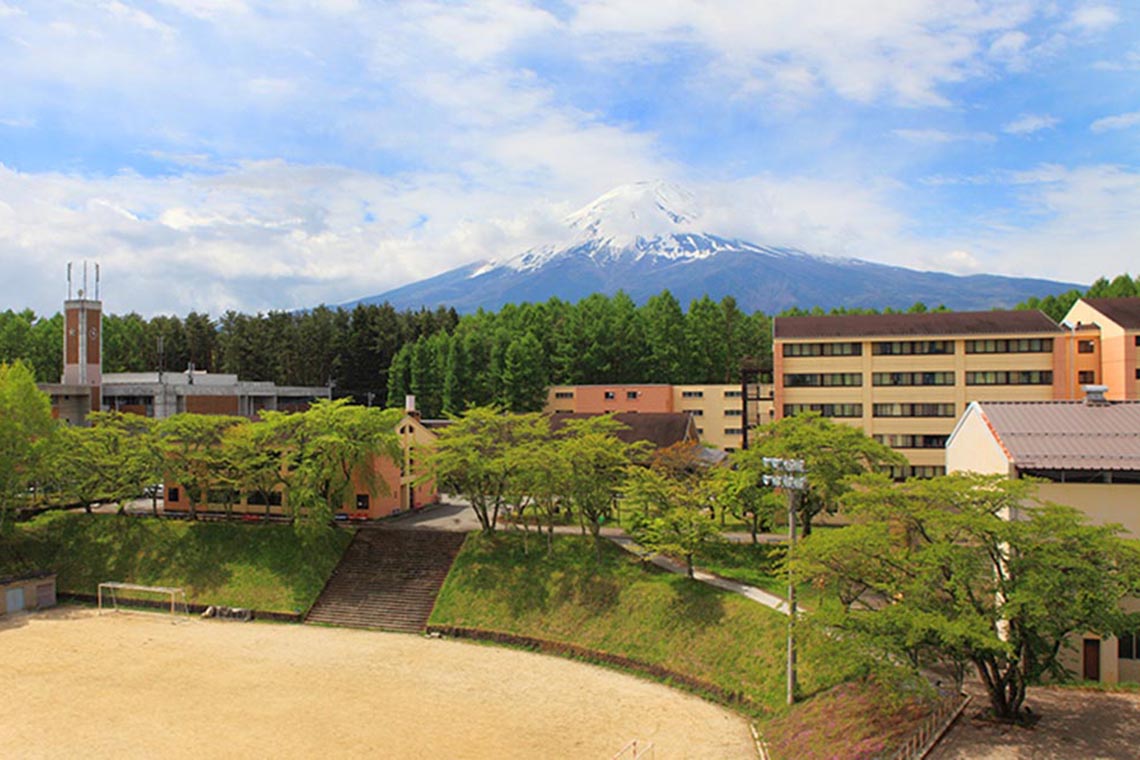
{"x": 975, "y": 449}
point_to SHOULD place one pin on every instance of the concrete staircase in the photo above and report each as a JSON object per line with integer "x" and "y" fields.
{"x": 387, "y": 579}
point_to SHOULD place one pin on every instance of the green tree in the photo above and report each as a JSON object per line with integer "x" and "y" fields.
{"x": 111, "y": 461}
{"x": 191, "y": 448}
{"x": 739, "y": 491}
{"x": 970, "y": 569}
{"x": 329, "y": 447}
{"x": 524, "y": 380}
{"x": 832, "y": 453}
{"x": 675, "y": 515}
{"x": 475, "y": 457}
{"x": 598, "y": 465}
{"x": 26, "y": 426}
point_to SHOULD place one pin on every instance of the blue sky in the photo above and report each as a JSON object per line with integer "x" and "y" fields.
{"x": 237, "y": 154}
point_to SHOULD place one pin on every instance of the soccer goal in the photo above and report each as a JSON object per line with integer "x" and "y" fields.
{"x": 112, "y": 594}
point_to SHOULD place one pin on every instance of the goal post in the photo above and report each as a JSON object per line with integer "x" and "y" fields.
{"x": 111, "y": 592}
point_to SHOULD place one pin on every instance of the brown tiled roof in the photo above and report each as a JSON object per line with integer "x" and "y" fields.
{"x": 662, "y": 429}
{"x": 915, "y": 325}
{"x": 1123, "y": 311}
{"x": 1067, "y": 435}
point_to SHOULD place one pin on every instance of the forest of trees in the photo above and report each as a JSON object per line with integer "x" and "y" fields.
{"x": 377, "y": 354}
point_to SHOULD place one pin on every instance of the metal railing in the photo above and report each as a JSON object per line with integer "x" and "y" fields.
{"x": 927, "y": 735}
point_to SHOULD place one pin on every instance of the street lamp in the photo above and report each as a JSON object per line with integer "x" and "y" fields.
{"x": 788, "y": 474}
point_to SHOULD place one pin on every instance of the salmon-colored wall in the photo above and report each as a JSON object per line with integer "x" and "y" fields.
{"x": 591, "y": 399}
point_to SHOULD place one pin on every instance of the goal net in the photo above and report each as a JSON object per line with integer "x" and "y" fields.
{"x": 113, "y": 596}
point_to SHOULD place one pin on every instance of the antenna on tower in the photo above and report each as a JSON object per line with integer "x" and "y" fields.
{"x": 96, "y": 281}
{"x": 83, "y": 290}
{"x": 69, "y": 281}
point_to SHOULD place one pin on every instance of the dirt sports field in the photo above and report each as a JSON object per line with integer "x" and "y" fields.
{"x": 138, "y": 685}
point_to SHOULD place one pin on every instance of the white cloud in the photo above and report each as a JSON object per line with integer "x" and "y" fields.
{"x": 1120, "y": 121}
{"x": 1027, "y": 124}
{"x": 1094, "y": 17}
{"x": 962, "y": 262}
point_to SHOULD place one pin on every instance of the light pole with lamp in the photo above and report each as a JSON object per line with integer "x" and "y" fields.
{"x": 788, "y": 474}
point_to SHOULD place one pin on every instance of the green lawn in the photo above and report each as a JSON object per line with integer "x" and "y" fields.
{"x": 263, "y": 567}
{"x": 624, "y": 607}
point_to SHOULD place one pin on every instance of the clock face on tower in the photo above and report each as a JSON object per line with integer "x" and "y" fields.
{"x": 93, "y": 333}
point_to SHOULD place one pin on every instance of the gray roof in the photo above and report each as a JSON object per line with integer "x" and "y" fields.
{"x": 916, "y": 325}
{"x": 1067, "y": 435}
{"x": 1123, "y": 311}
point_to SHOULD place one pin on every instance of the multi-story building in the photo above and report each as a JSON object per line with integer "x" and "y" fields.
{"x": 906, "y": 378}
{"x": 718, "y": 411}
{"x": 85, "y": 388}
{"x": 1105, "y": 344}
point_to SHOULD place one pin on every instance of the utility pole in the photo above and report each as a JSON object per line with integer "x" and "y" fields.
{"x": 788, "y": 474}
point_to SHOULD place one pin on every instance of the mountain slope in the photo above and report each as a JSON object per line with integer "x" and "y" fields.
{"x": 645, "y": 238}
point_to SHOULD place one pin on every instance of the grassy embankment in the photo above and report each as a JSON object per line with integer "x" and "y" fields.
{"x": 262, "y": 567}
{"x": 628, "y": 608}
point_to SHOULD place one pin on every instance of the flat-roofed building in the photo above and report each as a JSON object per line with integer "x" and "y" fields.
{"x": 1088, "y": 454}
{"x": 906, "y": 378}
{"x": 719, "y": 411}
{"x": 1107, "y": 340}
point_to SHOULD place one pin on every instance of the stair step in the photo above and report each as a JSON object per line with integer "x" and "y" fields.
{"x": 387, "y": 579}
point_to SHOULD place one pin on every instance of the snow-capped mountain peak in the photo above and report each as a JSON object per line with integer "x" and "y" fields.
{"x": 654, "y": 218}
{"x": 639, "y": 210}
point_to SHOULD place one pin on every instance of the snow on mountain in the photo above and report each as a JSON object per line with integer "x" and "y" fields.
{"x": 629, "y": 222}
{"x": 646, "y": 237}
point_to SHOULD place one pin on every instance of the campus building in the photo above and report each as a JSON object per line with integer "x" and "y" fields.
{"x": 722, "y": 414}
{"x": 906, "y": 378}
{"x": 1087, "y": 452}
{"x": 84, "y": 388}
{"x": 1106, "y": 340}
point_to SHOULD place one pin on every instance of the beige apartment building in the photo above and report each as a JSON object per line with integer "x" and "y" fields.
{"x": 718, "y": 411}
{"x": 905, "y": 379}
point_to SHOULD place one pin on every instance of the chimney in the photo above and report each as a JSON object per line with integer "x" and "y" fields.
{"x": 1094, "y": 395}
{"x": 410, "y": 406}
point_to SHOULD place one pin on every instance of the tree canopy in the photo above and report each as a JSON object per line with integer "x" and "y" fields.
{"x": 970, "y": 570}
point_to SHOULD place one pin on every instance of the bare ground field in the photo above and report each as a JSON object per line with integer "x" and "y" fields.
{"x": 140, "y": 685}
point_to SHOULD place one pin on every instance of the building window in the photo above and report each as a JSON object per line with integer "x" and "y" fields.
{"x": 1128, "y": 646}
{"x": 1136, "y": 341}
{"x": 610, "y": 395}
{"x": 823, "y": 349}
{"x": 1010, "y": 346}
{"x": 734, "y": 431}
{"x": 1013, "y": 377}
{"x": 172, "y": 494}
{"x": 1086, "y": 377}
{"x": 362, "y": 502}
{"x": 732, "y": 394}
{"x": 1085, "y": 347}
{"x": 912, "y": 378}
{"x": 700, "y": 431}
{"x": 824, "y": 380}
{"x": 922, "y": 472}
{"x": 631, "y": 395}
{"x": 692, "y": 394}
{"x": 696, "y": 412}
{"x": 914, "y": 410}
{"x": 827, "y": 410}
{"x": 907, "y": 347}
{"x": 564, "y": 394}
{"x": 733, "y": 412}
{"x": 1138, "y": 374}
{"x": 900, "y": 441}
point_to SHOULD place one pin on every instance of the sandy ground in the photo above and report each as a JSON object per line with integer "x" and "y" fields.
{"x": 139, "y": 685}
{"x": 1073, "y": 724}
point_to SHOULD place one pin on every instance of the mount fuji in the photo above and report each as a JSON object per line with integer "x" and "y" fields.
{"x": 646, "y": 237}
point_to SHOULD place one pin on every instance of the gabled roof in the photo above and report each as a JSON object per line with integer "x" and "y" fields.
{"x": 1123, "y": 311}
{"x": 662, "y": 429}
{"x": 916, "y": 325}
{"x": 1066, "y": 435}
